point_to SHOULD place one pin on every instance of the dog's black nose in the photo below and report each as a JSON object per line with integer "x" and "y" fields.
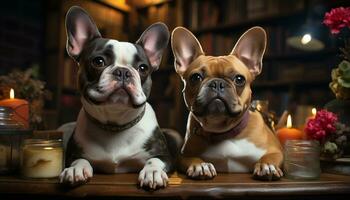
{"x": 217, "y": 85}
{"x": 122, "y": 74}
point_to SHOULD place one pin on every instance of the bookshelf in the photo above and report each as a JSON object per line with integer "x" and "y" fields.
{"x": 289, "y": 76}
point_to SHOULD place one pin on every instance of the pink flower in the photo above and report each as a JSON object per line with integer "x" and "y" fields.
{"x": 337, "y": 19}
{"x": 321, "y": 126}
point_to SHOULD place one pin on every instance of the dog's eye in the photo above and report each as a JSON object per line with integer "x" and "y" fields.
{"x": 98, "y": 62}
{"x": 239, "y": 80}
{"x": 194, "y": 78}
{"x": 143, "y": 68}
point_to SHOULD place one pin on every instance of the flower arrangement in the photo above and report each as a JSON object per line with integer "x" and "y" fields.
{"x": 331, "y": 134}
{"x": 26, "y": 86}
{"x": 336, "y": 20}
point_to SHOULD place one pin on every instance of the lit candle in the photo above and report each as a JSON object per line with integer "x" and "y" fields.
{"x": 20, "y": 108}
{"x": 314, "y": 112}
{"x": 288, "y": 133}
{"x": 313, "y": 115}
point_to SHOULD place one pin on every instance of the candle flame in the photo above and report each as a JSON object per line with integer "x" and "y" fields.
{"x": 289, "y": 121}
{"x": 313, "y": 111}
{"x": 12, "y": 94}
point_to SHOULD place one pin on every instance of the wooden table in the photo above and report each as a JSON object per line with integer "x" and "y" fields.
{"x": 224, "y": 185}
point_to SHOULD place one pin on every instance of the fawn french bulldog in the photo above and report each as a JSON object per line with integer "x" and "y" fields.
{"x": 116, "y": 130}
{"x": 223, "y": 135}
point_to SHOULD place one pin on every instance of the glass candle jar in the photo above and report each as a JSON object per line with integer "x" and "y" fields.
{"x": 302, "y": 159}
{"x": 41, "y": 158}
{"x": 12, "y": 133}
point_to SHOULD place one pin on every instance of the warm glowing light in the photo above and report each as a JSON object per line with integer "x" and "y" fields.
{"x": 48, "y": 148}
{"x": 289, "y": 121}
{"x": 258, "y": 107}
{"x": 12, "y": 94}
{"x": 306, "y": 39}
{"x": 313, "y": 111}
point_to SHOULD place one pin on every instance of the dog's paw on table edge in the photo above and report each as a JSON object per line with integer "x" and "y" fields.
{"x": 266, "y": 177}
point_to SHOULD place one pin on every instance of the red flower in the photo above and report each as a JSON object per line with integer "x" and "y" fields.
{"x": 337, "y": 19}
{"x": 321, "y": 126}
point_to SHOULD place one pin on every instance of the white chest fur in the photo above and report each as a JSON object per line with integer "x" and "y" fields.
{"x": 113, "y": 149}
{"x": 235, "y": 155}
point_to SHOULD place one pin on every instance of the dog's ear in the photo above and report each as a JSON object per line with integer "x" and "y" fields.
{"x": 154, "y": 40}
{"x": 80, "y": 29}
{"x": 186, "y": 48}
{"x": 250, "y": 49}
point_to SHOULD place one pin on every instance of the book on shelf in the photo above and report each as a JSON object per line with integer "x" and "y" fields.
{"x": 158, "y": 13}
{"x": 193, "y": 19}
{"x": 70, "y": 71}
{"x": 256, "y": 8}
{"x": 208, "y": 13}
{"x": 218, "y": 44}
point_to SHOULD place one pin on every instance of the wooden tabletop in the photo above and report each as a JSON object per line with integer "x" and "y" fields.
{"x": 224, "y": 185}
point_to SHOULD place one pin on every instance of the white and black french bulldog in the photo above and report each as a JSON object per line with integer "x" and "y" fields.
{"x": 116, "y": 130}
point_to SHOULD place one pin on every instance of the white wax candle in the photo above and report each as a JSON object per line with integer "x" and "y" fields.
{"x": 41, "y": 162}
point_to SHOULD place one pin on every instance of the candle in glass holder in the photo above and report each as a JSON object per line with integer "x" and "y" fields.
{"x": 302, "y": 159}
{"x": 20, "y": 108}
{"x": 11, "y": 135}
{"x": 41, "y": 158}
{"x": 288, "y": 133}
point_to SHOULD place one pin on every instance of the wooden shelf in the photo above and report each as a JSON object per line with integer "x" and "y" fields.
{"x": 302, "y": 55}
{"x": 115, "y": 5}
{"x": 224, "y": 185}
{"x": 289, "y": 83}
{"x": 153, "y": 3}
{"x": 271, "y": 20}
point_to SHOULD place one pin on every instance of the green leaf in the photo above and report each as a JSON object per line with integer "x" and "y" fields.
{"x": 330, "y": 147}
{"x": 344, "y": 83}
{"x": 344, "y": 70}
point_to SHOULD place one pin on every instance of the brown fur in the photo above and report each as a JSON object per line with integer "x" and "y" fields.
{"x": 240, "y": 61}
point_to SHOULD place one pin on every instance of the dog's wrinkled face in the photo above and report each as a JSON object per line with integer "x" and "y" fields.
{"x": 215, "y": 86}
{"x": 110, "y": 71}
{"x": 217, "y": 89}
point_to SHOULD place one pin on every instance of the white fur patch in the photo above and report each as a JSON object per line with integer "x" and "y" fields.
{"x": 79, "y": 172}
{"x": 205, "y": 170}
{"x": 124, "y": 51}
{"x": 234, "y": 155}
{"x": 123, "y": 146}
{"x": 153, "y": 174}
{"x": 124, "y": 54}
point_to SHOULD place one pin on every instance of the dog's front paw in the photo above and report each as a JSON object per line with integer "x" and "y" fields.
{"x": 268, "y": 172}
{"x": 153, "y": 177}
{"x": 78, "y": 173}
{"x": 201, "y": 171}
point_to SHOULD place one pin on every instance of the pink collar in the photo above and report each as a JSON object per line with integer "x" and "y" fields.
{"x": 217, "y": 137}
